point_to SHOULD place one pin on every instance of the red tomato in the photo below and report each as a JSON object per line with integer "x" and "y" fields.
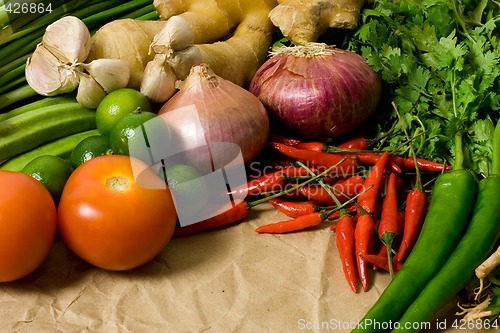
{"x": 110, "y": 220}
{"x": 28, "y": 224}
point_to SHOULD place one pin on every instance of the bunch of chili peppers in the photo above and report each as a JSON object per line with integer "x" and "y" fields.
{"x": 376, "y": 215}
{"x": 365, "y": 195}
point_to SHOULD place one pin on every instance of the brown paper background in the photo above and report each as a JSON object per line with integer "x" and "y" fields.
{"x": 230, "y": 280}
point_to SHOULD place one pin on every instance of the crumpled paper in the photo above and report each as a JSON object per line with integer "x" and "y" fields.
{"x": 229, "y": 280}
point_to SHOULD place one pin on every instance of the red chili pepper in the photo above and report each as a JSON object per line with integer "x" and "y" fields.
{"x": 369, "y": 158}
{"x": 389, "y": 217}
{"x": 274, "y": 181}
{"x": 416, "y": 203}
{"x": 298, "y": 223}
{"x": 388, "y": 227}
{"x": 356, "y": 143}
{"x": 319, "y": 159}
{"x": 312, "y": 146}
{"x": 294, "y": 209}
{"x": 278, "y": 138}
{"x": 364, "y": 237}
{"x": 397, "y": 241}
{"x": 232, "y": 215}
{"x": 346, "y": 246}
{"x": 372, "y": 159}
{"x": 380, "y": 261}
{"x": 368, "y": 199}
{"x": 343, "y": 189}
{"x": 408, "y": 163}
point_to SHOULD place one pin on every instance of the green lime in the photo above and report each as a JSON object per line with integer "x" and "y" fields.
{"x": 188, "y": 187}
{"x": 89, "y": 148}
{"x": 51, "y": 171}
{"x": 117, "y": 104}
{"x": 127, "y": 128}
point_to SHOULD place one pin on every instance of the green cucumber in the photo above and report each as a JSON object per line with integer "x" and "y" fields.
{"x": 61, "y": 147}
{"x": 26, "y": 131}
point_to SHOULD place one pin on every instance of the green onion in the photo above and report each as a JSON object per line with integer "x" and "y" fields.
{"x": 16, "y": 95}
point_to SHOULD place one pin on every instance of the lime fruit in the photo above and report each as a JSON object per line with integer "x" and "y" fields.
{"x": 88, "y": 148}
{"x": 51, "y": 171}
{"x": 188, "y": 187}
{"x": 117, "y": 104}
{"x": 127, "y": 128}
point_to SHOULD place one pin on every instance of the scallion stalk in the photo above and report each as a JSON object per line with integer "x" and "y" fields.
{"x": 97, "y": 19}
{"x": 149, "y": 16}
{"x": 140, "y": 12}
{"x": 13, "y": 65}
{"x": 16, "y": 95}
{"x": 12, "y": 79}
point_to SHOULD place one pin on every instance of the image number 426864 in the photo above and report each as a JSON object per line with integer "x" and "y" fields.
{"x": 21, "y": 11}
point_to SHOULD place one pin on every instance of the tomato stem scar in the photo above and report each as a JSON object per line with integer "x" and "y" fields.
{"x": 117, "y": 183}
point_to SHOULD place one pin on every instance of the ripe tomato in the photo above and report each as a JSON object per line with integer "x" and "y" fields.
{"x": 112, "y": 221}
{"x": 28, "y": 224}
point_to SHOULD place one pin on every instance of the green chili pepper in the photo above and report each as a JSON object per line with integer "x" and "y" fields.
{"x": 478, "y": 243}
{"x": 450, "y": 208}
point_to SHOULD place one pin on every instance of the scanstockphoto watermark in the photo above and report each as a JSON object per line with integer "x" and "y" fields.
{"x": 165, "y": 141}
{"x": 435, "y": 325}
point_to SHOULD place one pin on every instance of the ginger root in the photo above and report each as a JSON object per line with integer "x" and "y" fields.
{"x": 304, "y": 21}
{"x": 231, "y": 37}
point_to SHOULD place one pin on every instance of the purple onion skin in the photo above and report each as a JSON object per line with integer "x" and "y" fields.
{"x": 319, "y": 97}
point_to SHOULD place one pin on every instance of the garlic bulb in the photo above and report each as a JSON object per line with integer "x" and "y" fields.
{"x": 47, "y": 75}
{"x": 68, "y": 39}
{"x": 158, "y": 83}
{"x": 90, "y": 93}
{"x": 111, "y": 74}
{"x": 57, "y": 67}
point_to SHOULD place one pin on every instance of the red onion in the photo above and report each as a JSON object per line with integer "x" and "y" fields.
{"x": 227, "y": 113}
{"x": 317, "y": 91}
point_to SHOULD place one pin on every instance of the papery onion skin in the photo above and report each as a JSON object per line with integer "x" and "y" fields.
{"x": 317, "y": 91}
{"x": 227, "y": 112}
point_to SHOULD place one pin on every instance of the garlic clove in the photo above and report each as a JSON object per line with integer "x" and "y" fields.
{"x": 47, "y": 75}
{"x": 89, "y": 93}
{"x": 158, "y": 81}
{"x": 177, "y": 34}
{"x": 182, "y": 61}
{"x": 68, "y": 39}
{"x": 111, "y": 74}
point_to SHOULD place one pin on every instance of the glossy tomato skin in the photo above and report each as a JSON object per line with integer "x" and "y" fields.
{"x": 106, "y": 218}
{"x": 28, "y": 224}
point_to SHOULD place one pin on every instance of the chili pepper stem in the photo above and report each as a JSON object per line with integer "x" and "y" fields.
{"x": 388, "y": 238}
{"x": 293, "y": 188}
{"x": 459, "y": 156}
{"x": 324, "y": 214}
